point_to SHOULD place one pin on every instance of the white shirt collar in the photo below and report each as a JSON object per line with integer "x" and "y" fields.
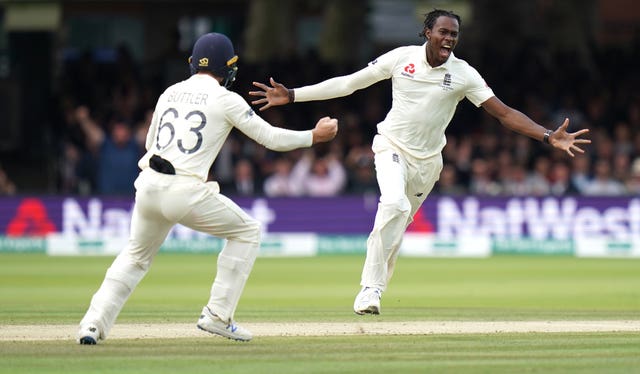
{"x": 446, "y": 65}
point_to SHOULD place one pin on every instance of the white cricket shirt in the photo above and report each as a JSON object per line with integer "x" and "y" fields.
{"x": 424, "y": 98}
{"x": 193, "y": 118}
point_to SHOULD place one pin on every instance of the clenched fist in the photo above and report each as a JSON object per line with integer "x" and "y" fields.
{"x": 325, "y": 130}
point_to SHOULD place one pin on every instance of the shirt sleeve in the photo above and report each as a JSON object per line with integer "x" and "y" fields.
{"x": 151, "y": 132}
{"x": 478, "y": 91}
{"x": 345, "y": 85}
{"x": 240, "y": 114}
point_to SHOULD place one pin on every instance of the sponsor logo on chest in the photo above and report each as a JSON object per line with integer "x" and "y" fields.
{"x": 409, "y": 71}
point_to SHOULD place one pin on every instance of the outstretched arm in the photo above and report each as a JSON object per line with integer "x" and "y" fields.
{"x": 282, "y": 140}
{"x": 331, "y": 88}
{"x": 239, "y": 114}
{"x": 520, "y": 123}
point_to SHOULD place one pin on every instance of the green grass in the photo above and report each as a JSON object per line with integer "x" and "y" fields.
{"x": 37, "y": 288}
{"x": 40, "y": 289}
{"x": 509, "y": 353}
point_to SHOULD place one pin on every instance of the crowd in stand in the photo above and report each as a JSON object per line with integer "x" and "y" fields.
{"x": 105, "y": 109}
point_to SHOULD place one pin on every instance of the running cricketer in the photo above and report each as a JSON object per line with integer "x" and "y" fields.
{"x": 191, "y": 121}
{"x": 428, "y": 81}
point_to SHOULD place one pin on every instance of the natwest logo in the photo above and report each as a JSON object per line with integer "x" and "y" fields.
{"x": 547, "y": 218}
{"x": 95, "y": 221}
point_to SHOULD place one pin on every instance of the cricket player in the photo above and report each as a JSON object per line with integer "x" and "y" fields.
{"x": 428, "y": 81}
{"x": 191, "y": 121}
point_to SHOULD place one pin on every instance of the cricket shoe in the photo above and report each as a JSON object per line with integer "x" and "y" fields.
{"x": 368, "y": 301}
{"x": 210, "y": 322}
{"x": 88, "y": 335}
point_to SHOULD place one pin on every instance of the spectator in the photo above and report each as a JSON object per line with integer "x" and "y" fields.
{"x": 359, "y": 162}
{"x": 523, "y": 150}
{"x": 603, "y": 184}
{"x": 515, "y": 182}
{"x": 560, "y": 180}
{"x": 244, "y": 180}
{"x": 448, "y": 182}
{"x": 117, "y": 154}
{"x": 537, "y": 179}
{"x": 279, "y": 183}
{"x": 482, "y": 182}
{"x": 632, "y": 184}
{"x": 604, "y": 146}
{"x": 77, "y": 164}
{"x": 362, "y": 177}
{"x": 463, "y": 159}
{"x": 319, "y": 176}
{"x": 580, "y": 172}
{"x": 622, "y": 137}
{"x": 70, "y": 181}
{"x": 621, "y": 166}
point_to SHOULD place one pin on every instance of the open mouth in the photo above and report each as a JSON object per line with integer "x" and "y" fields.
{"x": 445, "y": 50}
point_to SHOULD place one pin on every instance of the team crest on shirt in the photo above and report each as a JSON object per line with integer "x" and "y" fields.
{"x": 446, "y": 82}
{"x": 409, "y": 70}
{"x": 250, "y": 112}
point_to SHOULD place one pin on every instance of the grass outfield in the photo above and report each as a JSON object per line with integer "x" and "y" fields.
{"x": 36, "y": 289}
{"x": 509, "y": 353}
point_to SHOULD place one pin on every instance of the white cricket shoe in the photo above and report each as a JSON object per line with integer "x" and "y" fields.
{"x": 88, "y": 335}
{"x": 210, "y": 322}
{"x": 368, "y": 301}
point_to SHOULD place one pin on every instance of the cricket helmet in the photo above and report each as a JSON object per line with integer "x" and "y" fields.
{"x": 213, "y": 52}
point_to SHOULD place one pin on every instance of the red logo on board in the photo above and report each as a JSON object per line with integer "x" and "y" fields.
{"x": 31, "y": 219}
{"x": 420, "y": 223}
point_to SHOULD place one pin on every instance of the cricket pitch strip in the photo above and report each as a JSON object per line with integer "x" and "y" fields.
{"x": 189, "y": 330}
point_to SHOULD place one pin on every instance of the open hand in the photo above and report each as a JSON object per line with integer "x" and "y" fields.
{"x": 566, "y": 141}
{"x": 275, "y": 95}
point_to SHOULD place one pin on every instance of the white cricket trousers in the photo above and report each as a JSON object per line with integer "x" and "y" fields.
{"x": 404, "y": 184}
{"x": 161, "y": 202}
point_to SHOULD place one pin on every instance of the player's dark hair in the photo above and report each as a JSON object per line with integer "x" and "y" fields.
{"x": 432, "y": 17}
